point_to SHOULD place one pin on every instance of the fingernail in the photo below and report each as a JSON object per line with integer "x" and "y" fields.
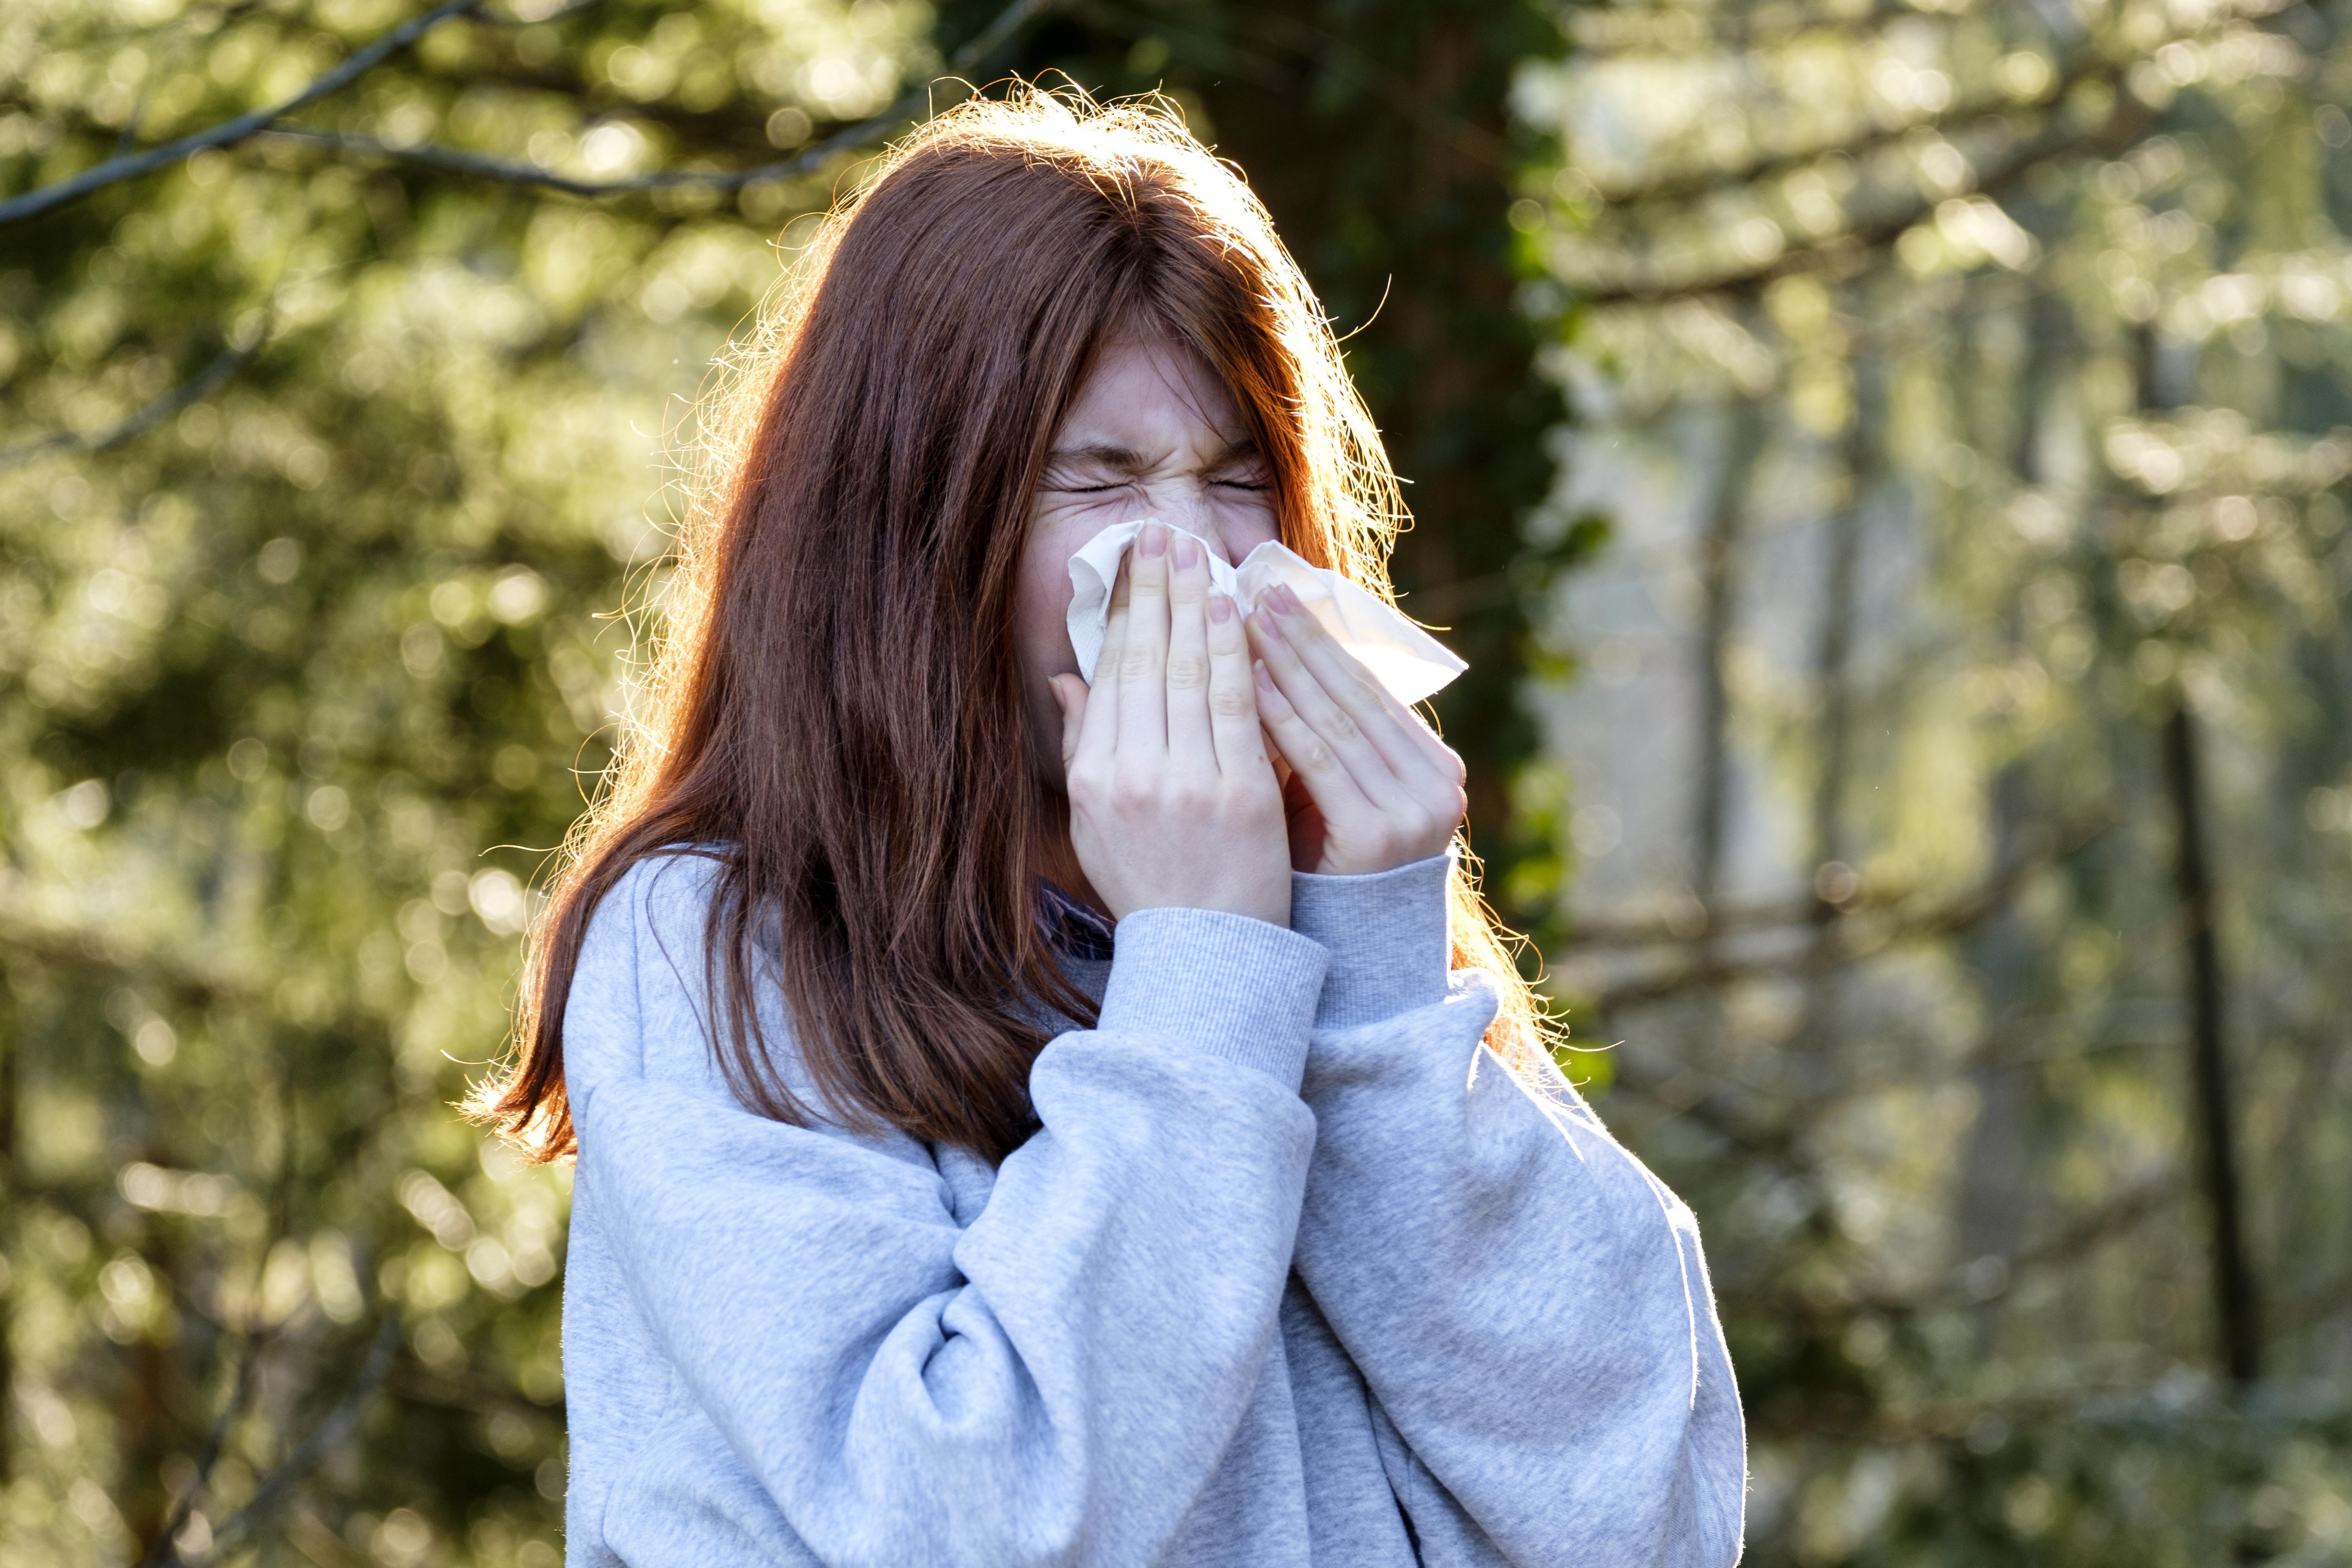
{"x": 1265, "y": 681}
{"x": 1285, "y": 601}
{"x": 1187, "y": 552}
{"x": 1153, "y": 541}
{"x": 1266, "y": 623}
{"x": 1221, "y": 609}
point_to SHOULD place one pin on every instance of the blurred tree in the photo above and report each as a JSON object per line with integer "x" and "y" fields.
{"x": 1968, "y": 380}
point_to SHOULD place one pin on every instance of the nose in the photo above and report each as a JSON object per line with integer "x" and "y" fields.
{"x": 1190, "y": 508}
{"x": 1186, "y": 506}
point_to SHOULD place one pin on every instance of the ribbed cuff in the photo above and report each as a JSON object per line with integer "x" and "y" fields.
{"x": 1386, "y": 932}
{"x": 1224, "y": 984}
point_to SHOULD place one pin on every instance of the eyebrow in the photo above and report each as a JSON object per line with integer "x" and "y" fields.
{"x": 1127, "y": 459}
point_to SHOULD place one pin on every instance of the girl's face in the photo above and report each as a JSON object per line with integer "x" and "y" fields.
{"x": 1152, "y": 434}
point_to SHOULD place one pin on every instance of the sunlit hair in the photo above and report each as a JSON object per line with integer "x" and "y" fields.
{"x": 834, "y": 712}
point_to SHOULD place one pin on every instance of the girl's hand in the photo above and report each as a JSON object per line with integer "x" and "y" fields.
{"x": 1373, "y": 787}
{"x": 1173, "y": 801}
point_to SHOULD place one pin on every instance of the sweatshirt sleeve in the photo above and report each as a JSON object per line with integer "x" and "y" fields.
{"x": 1529, "y": 1305}
{"x": 1050, "y": 1380}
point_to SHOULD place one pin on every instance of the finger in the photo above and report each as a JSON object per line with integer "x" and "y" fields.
{"x": 1188, "y": 741}
{"x": 1312, "y": 761}
{"x": 1070, "y": 697}
{"x": 1098, "y": 729}
{"x": 1142, "y": 668}
{"x": 1304, "y": 692}
{"x": 1234, "y": 723}
{"x": 1411, "y": 750}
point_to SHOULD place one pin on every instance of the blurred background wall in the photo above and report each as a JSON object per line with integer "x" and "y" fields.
{"x": 1884, "y": 461}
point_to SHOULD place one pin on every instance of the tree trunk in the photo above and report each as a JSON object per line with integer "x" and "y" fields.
{"x": 1816, "y": 1032}
{"x": 12, "y": 1048}
{"x": 1997, "y": 1179}
{"x": 1719, "y": 563}
{"x": 2165, "y": 373}
{"x": 2234, "y": 1307}
{"x": 1833, "y": 646}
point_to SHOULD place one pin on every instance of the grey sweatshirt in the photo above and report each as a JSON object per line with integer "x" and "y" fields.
{"x": 1293, "y": 1272}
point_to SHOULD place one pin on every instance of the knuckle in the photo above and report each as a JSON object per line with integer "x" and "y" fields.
{"x": 1342, "y": 727}
{"x": 1135, "y": 662}
{"x": 1186, "y": 671}
{"x": 1230, "y": 702}
{"x": 1319, "y": 756}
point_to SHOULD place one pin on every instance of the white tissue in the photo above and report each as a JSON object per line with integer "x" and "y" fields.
{"x": 1402, "y": 656}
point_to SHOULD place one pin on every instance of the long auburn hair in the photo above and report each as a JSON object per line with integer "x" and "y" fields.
{"x": 834, "y": 713}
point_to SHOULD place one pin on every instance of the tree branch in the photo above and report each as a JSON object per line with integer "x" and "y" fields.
{"x": 322, "y": 1440}
{"x": 2115, "y": 1217}
{"x": 732, "y": 126}
{"x": 508, "y": 171}
{"x": 225, "y": 365}
{"x": 411, "y": 1380}
{"x": 1715, "y": 918}
{"x": 1606, "y": 31}
{"x": 2129, "y": 121}
{"x": 481, "y": 165}
{"x": 236, "y": 358}
{"x": 2118, "y": 131}
{"x": 2069, "y": 1243}
{"x": 32, "y": 204}
{"x": 215, "y": 1440}
{"x": 1685, "y": 184}
{"x": 92, "y": 952}
{"x": 1844, "y": 946}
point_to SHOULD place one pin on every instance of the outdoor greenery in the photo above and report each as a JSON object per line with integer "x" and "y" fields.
{"x": 1885, "y": 464}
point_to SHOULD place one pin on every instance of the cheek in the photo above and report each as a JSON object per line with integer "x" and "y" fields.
{"x": 1041, "y": 611}
{"x": 1248, "y": 523}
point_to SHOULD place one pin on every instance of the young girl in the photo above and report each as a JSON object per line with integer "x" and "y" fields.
{"x": 1019, "y": 1122}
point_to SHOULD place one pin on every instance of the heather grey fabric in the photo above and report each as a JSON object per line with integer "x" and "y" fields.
{"x": 1293, "y": 1273}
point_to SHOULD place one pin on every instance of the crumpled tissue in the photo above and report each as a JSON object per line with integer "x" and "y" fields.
{"x": 1399, "y": 655}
